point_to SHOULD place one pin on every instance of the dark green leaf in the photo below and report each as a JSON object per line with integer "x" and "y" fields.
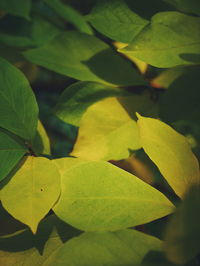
{"x": 183, "y": 232}
{"x": 188, "y": 6}
{"x": 17, "y": 32}
{"x": 18, "y": 8}
{"x": 10, "y": 153}
{"x": 116, "y": 20}
{"x": 18, "y": 106}
{"x": 70, "y": 14}
{"x": 181, "y": 100}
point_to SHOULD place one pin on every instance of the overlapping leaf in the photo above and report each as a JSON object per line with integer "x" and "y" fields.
{"x": 171, "y": 39}
{"x": 183, "y": 232}
{"x": 75, "y": 99}
{"x": 97, "y": 196}
{"x": 188, "y": 6}
{"x": 171, "y": 152}
{"x": 181, "y": 100}
{"x": 26, "y": 34}
{"x": 70, "y": 14}
{"x": 11, "y": 152}
{"x": 41, "y": 143}
{"x": 86, "y": 58}
{"x": 32, "y": 191}
{"x": 106, "y": 132}
{"x": 18, "y": 106}
{"x": 18, "y": 8}
{"x": 116, "y": 20}
{"x": 126, "y": 247}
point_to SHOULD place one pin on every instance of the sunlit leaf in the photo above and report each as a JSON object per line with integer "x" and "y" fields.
{"x": 106, "y": 132}
{"x": 115, "y": 19}
{"x": 10, "y": 153}
{"x": 171, "y": 152}
{"x": 41, "y": 143}
{"x": 183, "y": 232}
{"x": 98, "y": 196}
{"x": 75, "y": 99}
{"x": 126, "y": 247}
{"x": 171, "y": 39}
{"x": 32, "y": 191}
{"x": 86, "y": 58}
{"x": 18, "y": 8}
{"x": 18, "y": 106}
{"x": 70, "y": 14}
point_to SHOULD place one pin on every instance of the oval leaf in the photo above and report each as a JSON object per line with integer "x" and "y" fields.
{"x": 106, "y": 132}
{"x": 97, "y": 196}
{"x": 32, "y": 191}
{"x": 171, "y": 39}
{"x": 171, "y": 152}
{"x": 76, "y": 98}
{"x": 125, "y": 247}
{"x": 18, "y": 106}
{"x": 116, "y": 20}
{"x": 85, "y": 57}
{"x": 10, "y": 153}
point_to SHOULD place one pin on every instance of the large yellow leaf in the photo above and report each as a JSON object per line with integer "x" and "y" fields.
{"x": 171, "y": 152}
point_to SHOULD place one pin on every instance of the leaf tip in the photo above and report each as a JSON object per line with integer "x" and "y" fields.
{"x": 138, "y": 115}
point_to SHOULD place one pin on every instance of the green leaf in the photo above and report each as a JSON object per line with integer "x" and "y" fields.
{"x": 125, "y": 247}
{"x": 10, "y": 153}
{"x": 70, "y": 14}
{"x": 32, "y": 191}
{"x": 171, "y": 152}
{"x": 75, "y": 99}
{"x": 41, "y": 143}
{"x": 171, "y": 39}
{"x": 26, "y": 34}
{"x": 84, "y": 57}
{"x": 167, "y": 77}
{"x": 116, "y": 20}
{"x": 188, "y": 6}
{"x": 183, "y": 231}
{"x": 106, "y": 132}
{"x": 181, "y": 100}
{"x": 98, "y": 196}
{"x": 18, "y": 8}
{"x": 18, "y": 106}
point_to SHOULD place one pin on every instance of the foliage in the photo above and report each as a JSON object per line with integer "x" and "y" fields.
{"x": 99, "y": 132}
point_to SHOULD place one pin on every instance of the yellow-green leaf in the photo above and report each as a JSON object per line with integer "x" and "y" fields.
{"x": 32, "y": 191}
{"x": 98, "y": 196}
{"x": 171, "y": 152}
{"x": 41, "y": 143}
{"x": 106, "y": 132}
